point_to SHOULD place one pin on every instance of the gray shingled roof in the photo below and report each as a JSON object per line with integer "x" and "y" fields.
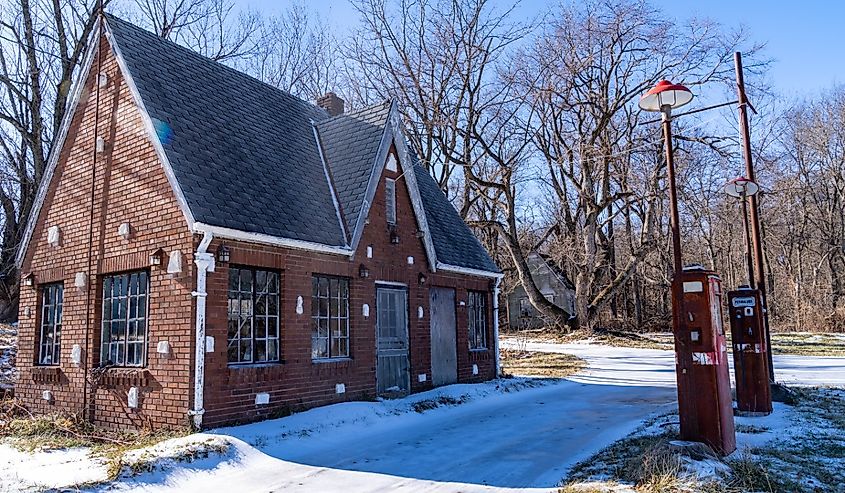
{"x": 245, "y": 155}
{"x": 243, "y": 152}
{"x": 454, "y": 242}
{"x": 350, "y": 144}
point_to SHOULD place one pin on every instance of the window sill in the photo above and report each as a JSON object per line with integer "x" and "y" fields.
{"x": 322, "y": 361}
{"x": 479, "y": 350}
{"x": 47, "y": 374}
{"x": 124, "y": 376}
{"x": 267, "y": 364}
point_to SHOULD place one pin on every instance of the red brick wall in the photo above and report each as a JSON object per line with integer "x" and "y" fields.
{"x": 130, "y": 187}
{"x": 298, "y": 382}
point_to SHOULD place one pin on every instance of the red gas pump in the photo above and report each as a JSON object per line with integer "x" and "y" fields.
{"x": 751, "y": 362}
{"x": 704, "y": 388}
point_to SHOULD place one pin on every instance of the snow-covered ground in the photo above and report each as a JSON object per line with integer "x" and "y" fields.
{"x": 656, "y": 367}
{"x": 8, "y": 351}
{"x": 505, "y": 435}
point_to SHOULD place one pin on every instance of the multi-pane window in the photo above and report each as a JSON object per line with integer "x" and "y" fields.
{"x": 390, "y": 200}
{"x": 477, "y": 311}
{"x": 329, "y": 317}
{"x": 51, "y": 324}
{"x": 124, "y": 334}
{"x": 253, "y": 315}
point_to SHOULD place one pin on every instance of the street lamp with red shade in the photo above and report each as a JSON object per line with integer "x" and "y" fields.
{"x": 704, "y": 391}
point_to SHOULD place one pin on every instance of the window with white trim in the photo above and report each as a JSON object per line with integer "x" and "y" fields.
{"x": 124, "y": 326}
{"x": 253, "y": 316}
{"x": 477, "y": 312}
{"x": 329, "y": 317}
{"x": 49, "y": 342}
{"x": 390, "y": 200}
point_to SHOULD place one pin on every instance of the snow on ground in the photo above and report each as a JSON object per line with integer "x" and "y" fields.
{"x": 56, "y": 468}
{"x": 656, "y": 367}
{"x": 8, "y": 351}
{"x": 505, "y": 435}
{"x": 503, "y": 442}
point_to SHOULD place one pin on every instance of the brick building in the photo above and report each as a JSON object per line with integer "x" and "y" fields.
{"x": 207, "y": 249}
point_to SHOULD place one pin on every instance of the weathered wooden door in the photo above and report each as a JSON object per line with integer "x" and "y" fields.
{"x": 392, "y": 375}
{"x": 444, "y": 350}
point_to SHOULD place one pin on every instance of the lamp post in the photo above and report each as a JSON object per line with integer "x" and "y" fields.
{"x": 744, "y": 188}
{"x": 704, "y": 391}
{"x": 760, "y": 271}
{"x": 746, "y": 315}
{"x": 665, "y": 97}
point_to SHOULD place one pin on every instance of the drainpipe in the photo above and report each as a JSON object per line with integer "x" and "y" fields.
{"x": 205, "y": 264}
{"x": 496, "y": 324}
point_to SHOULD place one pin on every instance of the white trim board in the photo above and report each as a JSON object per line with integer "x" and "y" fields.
{"x": 332, "y": 190}
{"x": 468, "y": 271}
{"x": 236, "y": 234}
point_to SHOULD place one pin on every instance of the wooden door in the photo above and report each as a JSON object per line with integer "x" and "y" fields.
{"x": 392, "y": 375}
{"x": 444, "y": 342}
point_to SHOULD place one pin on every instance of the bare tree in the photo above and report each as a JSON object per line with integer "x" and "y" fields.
{"x": 41, "y": 48}
{"x": 435, "y": 57}
{"x": 296, "y": 52}
{"x": 594, "y": 61}
{"x": 210, "y": 27}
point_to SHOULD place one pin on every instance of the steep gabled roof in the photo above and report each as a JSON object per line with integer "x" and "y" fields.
{"x": 248, "y": 160}
{"x": 350, "y": 146}
{"x": 243, "y": 152}
{"x": 454, "y": 242}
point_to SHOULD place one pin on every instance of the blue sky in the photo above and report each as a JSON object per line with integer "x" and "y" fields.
{"x": 805, "y": 38}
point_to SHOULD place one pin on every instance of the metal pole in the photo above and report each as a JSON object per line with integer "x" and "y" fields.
{"x": 688, "y": 418}
{"x": 674, "y": 216}
{"x": 748, "y": 248}
{"x": 755, "y": 214}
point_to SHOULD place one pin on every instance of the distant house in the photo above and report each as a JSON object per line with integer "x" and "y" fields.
{"x": 208, "y": 249}
{"x": 552, "y": 283}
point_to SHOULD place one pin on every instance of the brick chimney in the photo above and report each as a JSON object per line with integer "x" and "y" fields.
{"x": 331, "y": 103}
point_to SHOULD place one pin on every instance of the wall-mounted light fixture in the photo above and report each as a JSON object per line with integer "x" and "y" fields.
{"x": 223, "y": 253}
{"x": 421, "y": 278}
{"x": 156, "y": 256}
{"x": 363, "y": 271}
{"x": 29, "y": 280}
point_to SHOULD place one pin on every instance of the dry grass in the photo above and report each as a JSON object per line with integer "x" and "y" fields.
{"x": 810, "y": 461}
{"x": 649, "y": 464}
{"x": 29, "y": 432}
{"x": 808, "y": 344}
{"x": 795, "y": 343}
{"x": 547, "y": 365}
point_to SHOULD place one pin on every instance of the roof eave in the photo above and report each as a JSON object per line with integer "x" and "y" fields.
{"x": 251, "y": 237}
{"x": 469, "y": 271}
